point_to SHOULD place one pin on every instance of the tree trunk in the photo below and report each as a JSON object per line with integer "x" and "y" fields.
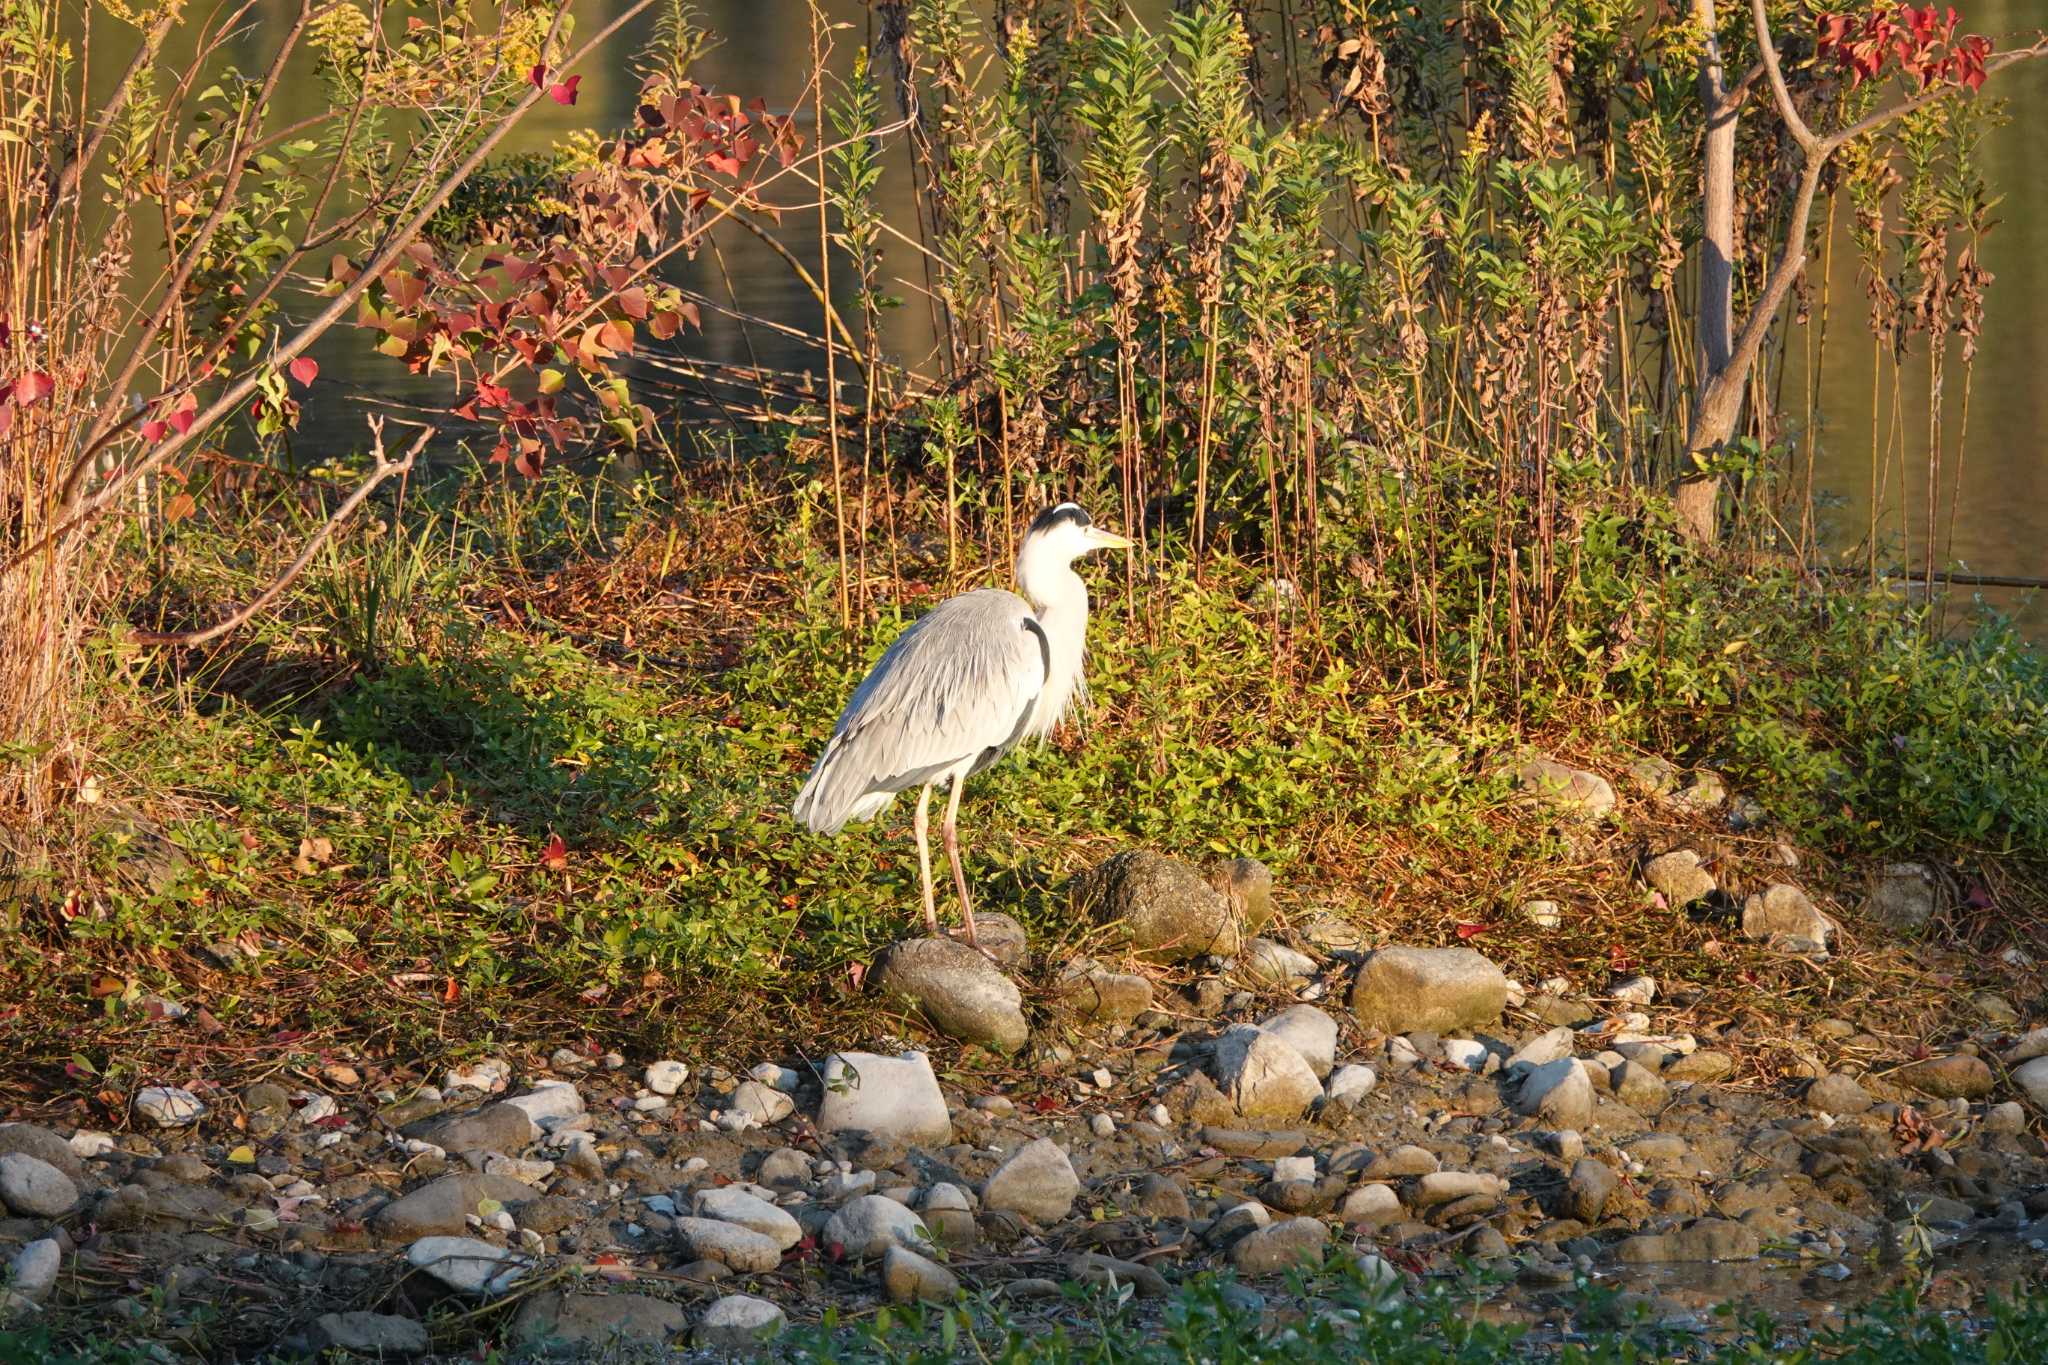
{"x": 1696, "y": 496}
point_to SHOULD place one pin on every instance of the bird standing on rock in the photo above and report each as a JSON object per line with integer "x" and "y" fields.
{"x": 958, "y": 690}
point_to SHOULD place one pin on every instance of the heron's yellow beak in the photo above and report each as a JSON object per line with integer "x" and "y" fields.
{"x": 1109, "y": 540}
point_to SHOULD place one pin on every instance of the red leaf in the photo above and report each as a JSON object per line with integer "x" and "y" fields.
{"x": 1471, "y": 931}
{"x": 565, "y": 92}
{"x": 539, "y": 75}
{"x": 724, "y": 165}
{"x": 181, "y": 420}
{"x": 555, "y": 856}
{"x": 33, "y": 387}
{"x": 305, "y": 369}
{"x": 153, "y": 430}
{"x": 450, "y": 992}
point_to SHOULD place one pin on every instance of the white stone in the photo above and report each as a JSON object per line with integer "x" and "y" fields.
{"x": 2034, "y": 1044}
{"x": 1542, "y": 914}
{"x": 1370, "y": 1204}
{"x": 871, "y": 1224}
{"x": 549, "y": 1103}
{"x": 761, "y": 1102}
{"x": 2032, "y": 1079}
{"x": 736, "y": 1321}
{"x": 1466, "y": 1054}
{"x": 894, "y": 1097}
{"x": 490, "y": 1075}
{"x": 1350, "y": 1084}
{"x": 1037, "y": 1181}
{"x": 946, "y": 1196}
{"x": 1294, "y": 1168}
{"x": 1552, "y": 1046}
{"x": 1309, "y": 1031}
{"x": 1102, "y": 1125}
{"x": 1560, "y": 1091}
{"x": 1160, "y": 1116}
{"x": 730, "y": 1244}
{"x": 1636, "y": 990}
{"x": 310, "y": 1106}
{"x": 168, "y": 1106}
{"x": 1275, "y": 963}
{"x": 665, "y": 1077}
{"x": 32, "y": 1274}
{"x": 86, "y": 1144}
{"x": 467, "y": 1265}
{"x": 1265, "y": 1078}
{"x": 775, "y": 1077}
{"x": 734, "y": 1205}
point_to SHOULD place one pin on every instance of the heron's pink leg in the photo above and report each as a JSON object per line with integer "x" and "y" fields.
{"x": 950, "y": 831}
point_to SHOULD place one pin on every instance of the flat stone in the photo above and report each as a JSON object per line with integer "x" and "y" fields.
{"x": 729, "y": 1244}
{"x": 1310, "y": 1032}
{"x": 33, "y": 1188}
{"x": 1088, "y": 991}
{"x": 562, "y": 1318}
{"x": 1270, "y": 1250}
{"x": 1444, "y": 1187}
{"x": 1038, "y": 1181}
{"x": 1836, "y": 1093}
{"x": 1960, "y": 1077}
{"x": 871, "y": 1224}
{"x": 377, "y": 1335}
{"x": 737, "y": 1321}
{"x": 1560, "y": 1092}
{"x": 499, "y": 1127}
{"x": 1258, "y": 1145}
{"x": 1275, "y": 964}
{"x": 888, "y": 1097}
{"x": 1106, "y": 1272}
{"x": 168, "y": 1106}
{"x": 442, "y": 1206}
{"x": 1263, "y": 1077}
{"x": 1565, "y": 789}
{"x": 548, "y": 1104}
{"x": 908, "y": 1277}
{"x": 1679, "y": 878}
{"x": 1707, "y": 1239}
{"x": 1704, "y": 1066}
{"x": 1467, "y": 1054}
{"x": 1402, "y": 990}
{"x": 958, "y": 991}
{"x": 733, "y": 1205}
{"x": 1160, "y": 907}
{"x": 469, "y": 1266}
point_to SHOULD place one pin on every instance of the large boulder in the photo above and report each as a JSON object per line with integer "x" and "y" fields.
{"x": 956, "y": 988}
{"x": 1159, "y": 906}
{"x": 1436, "y": 990}
{"x": 888, "y": 1097}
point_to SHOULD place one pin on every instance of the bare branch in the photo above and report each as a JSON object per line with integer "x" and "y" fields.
{"x": 384, "y": 469}
{"x": 1768, "y": 54}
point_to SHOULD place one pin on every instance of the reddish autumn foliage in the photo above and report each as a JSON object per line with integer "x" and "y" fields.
{"x": 1922, "y": 41}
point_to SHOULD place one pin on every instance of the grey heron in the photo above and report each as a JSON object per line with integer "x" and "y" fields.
{"x": 965, "y": 684}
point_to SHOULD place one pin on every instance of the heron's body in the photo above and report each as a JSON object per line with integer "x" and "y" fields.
{"x": 967, "y": 683}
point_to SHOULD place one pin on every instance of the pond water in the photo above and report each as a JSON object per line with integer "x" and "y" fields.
{"x": 2000, "y": 498}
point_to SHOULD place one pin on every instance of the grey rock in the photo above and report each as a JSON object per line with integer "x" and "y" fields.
{"x": 892, "y": 1097}
{"x": 1401, "y": 990}
{"x": 1263, "y": 1078}
{"x": 1160, "y": 1196}
{"x": 1275, "y": 964}
{"x": 494, "y": 1128}
{"x": 1444, "y": 1187}
{"x": 1088, "y": 991}
{"x": 873, "y": 1223}
{"x": 562, "y": 1318}
{"x": 1786, "y": 913}
{"x": 1565, "y": 789}
{"x": 908, "y": 1277}
{"x": 959, "y": 991}
{"x": 1638, "y": 1087}
{"x": 1702, "y": 1067}
{"x": 1038, "y": 1181}
{"x": 1560, "y": 1093}
{"x": 33, "y": 1188}
{"x": 729, "y": 1244}
{"x": 1370, "y": 1204}
{"x": 1959, "y": 1077}
{"x": 784, "y": 1166}
{"x": 731, "y": 1204}
{"x": 1678, "y": 876}
{"x": 737, "y": 1321}
{"x": 32, "y": 1271}
{"x": 467, "y": 1265}
{"x": 1707, "y": 1239}
{"x": 1159, "y": 906}
{"x": 2005, "y": 1118}
{"x": 442, "y": 1206}
{"x": 377, "y": 1335}
{"x": 1902, "y": 898}
{"x": 1836, "y": 1093}
{"x": 1588, "y": 1189}
{"x": 1658, "y": 777}
{"x": 45, "y": 1145}
{"x": 1310, "y": 1032}
{"x": 1246, "y": 885}
{"x": 1104, "y": 1272}
{"x": 1351, "y": 1084}
{"x": 1270, "y": 1250}
{"x": 1550, "y": 1046}
{"x": 548, "y": 1104}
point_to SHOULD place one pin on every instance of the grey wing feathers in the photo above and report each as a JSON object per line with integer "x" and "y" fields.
{"x": 955, "y": 688}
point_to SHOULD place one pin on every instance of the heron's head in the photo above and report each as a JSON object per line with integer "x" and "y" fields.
{"x": 1064, "y": 533}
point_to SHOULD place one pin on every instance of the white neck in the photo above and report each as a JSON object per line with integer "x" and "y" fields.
{"x": 1059, "y": 599}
